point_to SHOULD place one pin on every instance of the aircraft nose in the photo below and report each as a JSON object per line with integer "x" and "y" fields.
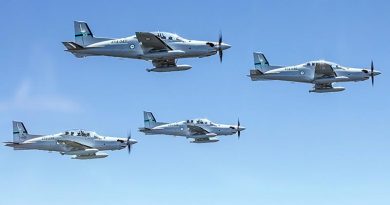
{"x": 133, "y": 141}
{"x": 377, "y": 72}
{"x": 241, "y": 128}
{"x": 225, "y": 46}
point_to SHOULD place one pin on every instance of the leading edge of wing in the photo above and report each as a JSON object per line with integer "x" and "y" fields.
{"x": 152, "y": 41}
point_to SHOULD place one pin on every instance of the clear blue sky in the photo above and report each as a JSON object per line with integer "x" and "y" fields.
{"x": 298, "y": 149}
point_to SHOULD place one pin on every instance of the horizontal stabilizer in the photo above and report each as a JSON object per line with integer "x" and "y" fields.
{"x": 144, "y": 129}
{"x": 15, "y": 146}
{"x": 10, "y": 144}
{"x": 72, "y": 46}
{"x": 256, "y": 72}
{"x": 256, "y": 75}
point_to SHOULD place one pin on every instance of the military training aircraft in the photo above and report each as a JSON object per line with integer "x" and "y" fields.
{"x": 322, "y": 74}
{"x": 79, "y": 143}
{"x": 162, "y": 48}
{"x": 198, "y": 130}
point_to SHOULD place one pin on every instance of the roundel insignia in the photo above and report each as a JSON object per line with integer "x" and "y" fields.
{"x": 302, "y": 72}
{"x": 132, "y": 46}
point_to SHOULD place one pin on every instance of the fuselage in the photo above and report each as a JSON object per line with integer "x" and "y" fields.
{"x": 55, "y": 142}
{"x": 130, "y": 47}
{"x": 306, "y": 73}
{"x": 182, "y": 129}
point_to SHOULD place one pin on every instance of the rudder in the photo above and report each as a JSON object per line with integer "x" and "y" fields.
{"x": 83, "y": 34}
{"x": 149, "y": 120}
{"x": 261, "y": 62}
{"x": 19, "y": 132}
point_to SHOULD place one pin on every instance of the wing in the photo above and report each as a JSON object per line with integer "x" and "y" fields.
{"x": 81, "y": 151}
{"x": 324, "y": 70}
{"x": 152, "y": 42}
{"x": 196, "y": 130}
{"x": 164, "y": 63}
{"x": 74, "y": 145}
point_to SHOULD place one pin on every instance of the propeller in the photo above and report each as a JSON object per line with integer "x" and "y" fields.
{"x": 372, "y": 73}
{"x": 238, "y": 129}
{"x": 128, "y": 143}
{"x": 220, "y": 52}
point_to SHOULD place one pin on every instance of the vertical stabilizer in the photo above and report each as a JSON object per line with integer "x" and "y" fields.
{"x": 83, "y": 34}
{"x": 20, "y": 132}
{"x": 149, "y": 120}
{"x": 261, "y": 62}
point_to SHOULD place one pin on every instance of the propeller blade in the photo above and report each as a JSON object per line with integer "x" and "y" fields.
{"x": 238, "y": 129}
{"x": 219, "y": 47}
{"x": 129, "y": 149}
{"x": 220, "y": 38}
{"x": 128, "y": 142}
{"x": 372, "y": 73}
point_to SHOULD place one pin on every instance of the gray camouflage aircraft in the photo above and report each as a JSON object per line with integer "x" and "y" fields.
{"x": 162, "y": 48}
{"x": 198, "y": 130}
{"x": 79, "y": 143}
{"x": 322, "y": 74}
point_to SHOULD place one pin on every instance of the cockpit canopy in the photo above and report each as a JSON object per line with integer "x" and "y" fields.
{"x": 170, "y": 36}
{"x": 200, "y": 121}
{"x": 81, "y": 133}
{"x": 322, "y": 62}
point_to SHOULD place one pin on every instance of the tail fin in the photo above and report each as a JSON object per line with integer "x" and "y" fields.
{"x": 83, "y": 34}
{"x": 261, "y": 63}
{"x": 149, "y": 120}
{"x": 20, "y": 132}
